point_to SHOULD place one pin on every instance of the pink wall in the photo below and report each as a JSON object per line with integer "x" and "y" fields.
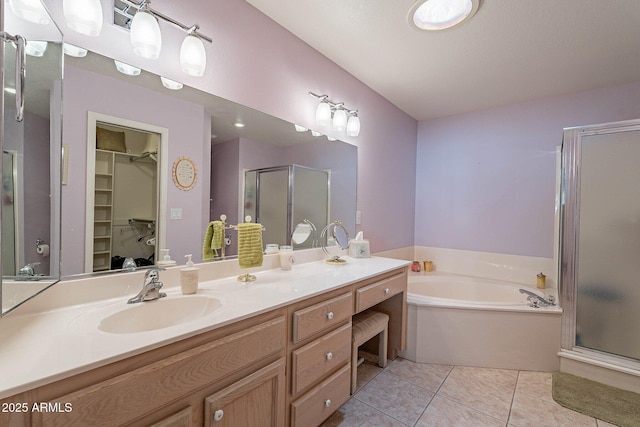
{"x": 255, "y": 62}
{"x": 85, "y": 91}
{"x": 485, "y": 181}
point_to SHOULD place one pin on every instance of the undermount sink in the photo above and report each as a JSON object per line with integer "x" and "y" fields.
{"x": 158, "y": 314}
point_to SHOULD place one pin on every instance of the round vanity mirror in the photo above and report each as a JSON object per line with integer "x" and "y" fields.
{"x": 340, "y": 235}
{"x": 303, "y": 232}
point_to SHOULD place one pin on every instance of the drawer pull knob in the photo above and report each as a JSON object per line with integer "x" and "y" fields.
{"x": 330, "y": 315}
{"x": 387, "y": 290}
{"x": 217, "y": 415}
{"x": 327, "y": 403}
{"x": 329, "y": 356}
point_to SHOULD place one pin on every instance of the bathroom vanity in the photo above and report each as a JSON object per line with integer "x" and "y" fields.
{"x": 277, "y": 352}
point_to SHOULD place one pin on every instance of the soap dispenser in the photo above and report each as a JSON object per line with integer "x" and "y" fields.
{"x": 166, "y": 260}
{"x": 189, "y": 277}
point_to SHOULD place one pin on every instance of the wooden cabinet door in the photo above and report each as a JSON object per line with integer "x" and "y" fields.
{"x": 256, "y": 400}
{"x": 179, "y": 419}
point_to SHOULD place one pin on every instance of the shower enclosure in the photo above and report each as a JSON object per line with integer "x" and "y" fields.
{"x": 281, "y": 197}
{"x": 600, "y": 245}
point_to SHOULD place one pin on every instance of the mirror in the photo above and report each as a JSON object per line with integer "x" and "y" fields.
{"x": 200, "y": 127}
{"x": 334, "y": 234}
{"x": 30, "y": 161}
{"x": 305, "y": 232}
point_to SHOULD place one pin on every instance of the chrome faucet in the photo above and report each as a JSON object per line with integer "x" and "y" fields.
{"x": 27, "y": 272}
{"x": 151, "y": 289}
{"x": 535, "y": 300}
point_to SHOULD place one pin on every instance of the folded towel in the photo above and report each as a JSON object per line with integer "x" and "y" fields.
{"x": 212, "y": 240}
{"x": 249, "y": 245}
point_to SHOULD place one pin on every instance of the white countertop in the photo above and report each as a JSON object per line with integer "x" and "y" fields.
{"x": 37, "y": 348}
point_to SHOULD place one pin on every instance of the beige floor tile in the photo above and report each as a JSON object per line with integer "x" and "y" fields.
{"x": 395, "y": 397}
{"x": 357, "y": 414}
{"x": 535, "y": 384}
{"x": 443, "y": 412}
{"x": 424, "y": 375}
{"x": 366, "y": 372}
{"x": 486, "y": 390}
{"x": 529, "y": 411}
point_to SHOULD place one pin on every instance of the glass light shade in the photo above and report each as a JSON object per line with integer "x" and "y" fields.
{"x": 146, "y": 37}
{"x": 171, "y": 84}
{"x": 441, "y": 14}
{"x": 127, "y": 69}
{"x": 72, "y": 50}
{"x": 193, "y": 58}
{"x": 339, "y": 120}
{"x": 35, "y": 48}
{"x": 330, "y": 138}
{"x": 83, "y": 16}
{"x": 353, "y": 126}
{"x": 323, "y": 114}
{"x": 30, "y": 10}
{"x": 315, "y": 133}
{"x": 300, "y": 128}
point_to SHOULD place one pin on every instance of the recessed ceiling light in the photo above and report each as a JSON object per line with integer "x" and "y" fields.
{"x": 239, "y": 124}
{"x": 127, "y": 69}
{"x": 171, "y": 84}
{"x": 441, "y": 14}
{"x": 73, "y": 50}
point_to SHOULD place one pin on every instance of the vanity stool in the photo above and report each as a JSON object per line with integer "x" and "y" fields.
{"x": 365, "y": 326}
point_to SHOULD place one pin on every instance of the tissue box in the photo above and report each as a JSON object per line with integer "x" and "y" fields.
{"x": 359, "y": 249}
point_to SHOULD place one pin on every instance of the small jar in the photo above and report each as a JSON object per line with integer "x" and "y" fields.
{"x": 286, "y": 257}
{"x": 271, "y": 248}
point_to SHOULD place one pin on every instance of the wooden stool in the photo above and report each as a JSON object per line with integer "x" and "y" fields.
{"x": 365, "y": 326}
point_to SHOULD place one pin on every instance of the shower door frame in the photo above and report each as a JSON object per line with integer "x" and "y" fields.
{"x": 569, "y": 239}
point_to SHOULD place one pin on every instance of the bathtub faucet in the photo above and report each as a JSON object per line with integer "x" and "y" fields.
{"x": 535, "y": 299}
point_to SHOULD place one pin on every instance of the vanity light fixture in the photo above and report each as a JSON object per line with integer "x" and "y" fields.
{"x": 315, "y": 133}
{"x": 35, "y": 48}
{"x": 30, "y": 10}
{"x": 353, "y": 125}
{"x": 146, "y": 37}
{"x": 171, "y": 84}
{"x": 127, "y": 69}
{"x": 83, "y": 16}
{"x": 335, "y": 114}
{"x": 436, "y": 15}
{"x": 73, "y": 50}
{"x": 300, "y": 128}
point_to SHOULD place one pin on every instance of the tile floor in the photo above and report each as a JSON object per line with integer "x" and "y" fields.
{"x": 415, "y": 394}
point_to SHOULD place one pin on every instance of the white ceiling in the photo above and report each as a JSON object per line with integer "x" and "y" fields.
{"x": 510, "y": 51}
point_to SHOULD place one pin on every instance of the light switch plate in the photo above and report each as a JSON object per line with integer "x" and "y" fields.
{"x": 176, "y": 213}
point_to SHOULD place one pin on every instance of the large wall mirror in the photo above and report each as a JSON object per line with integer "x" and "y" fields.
{"x": 196, "y": 123}
{"x": 31, "y": 150}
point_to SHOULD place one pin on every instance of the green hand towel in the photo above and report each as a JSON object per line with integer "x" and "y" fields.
{"x": 249, "y": 245}
{"x": 218, "y": 235}
{"x": 209, "y": 250}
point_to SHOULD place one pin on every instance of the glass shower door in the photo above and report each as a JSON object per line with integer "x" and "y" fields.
{"x": 608, "y": 244}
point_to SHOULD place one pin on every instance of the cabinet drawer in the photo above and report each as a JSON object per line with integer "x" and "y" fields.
{"x": 314, "y": 360}
{"x": 311, "y": 320}
{"x": 128, "y": 396}
{"x": 318, "y": 404}
{"x": 368, "y": 296}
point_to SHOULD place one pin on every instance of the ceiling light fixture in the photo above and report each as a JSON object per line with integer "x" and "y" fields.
{"x": 30, "y": 10}
{"x": 239, "y": 125}
{"x": 127, "y": 69}
{"x": 337, "y": 116}
{"x": 300, "y": 128}
{"x": 441, "y": 14}
{"x": 83, "y": 16}
{"x": 146, "y": 38}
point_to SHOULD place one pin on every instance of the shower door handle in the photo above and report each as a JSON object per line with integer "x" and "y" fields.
{"x": 21, "y": 71}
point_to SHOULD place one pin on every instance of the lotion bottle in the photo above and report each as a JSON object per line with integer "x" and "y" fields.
{"x": 189, "y": 277}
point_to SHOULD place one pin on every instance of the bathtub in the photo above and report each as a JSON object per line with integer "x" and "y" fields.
{"x": 471, "y": 321}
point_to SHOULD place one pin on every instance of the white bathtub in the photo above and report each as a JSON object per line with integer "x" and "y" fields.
{"x": 471, "y": 321}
